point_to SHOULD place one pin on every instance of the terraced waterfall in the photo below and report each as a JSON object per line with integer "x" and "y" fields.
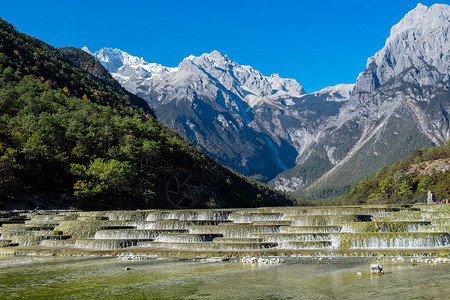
{"x": 276, "y": 231}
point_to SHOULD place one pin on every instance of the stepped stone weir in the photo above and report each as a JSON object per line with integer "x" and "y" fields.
{"x": 311, "y": 229}
{"x": 273, "y": 231}
{"x": 383, "y": 226}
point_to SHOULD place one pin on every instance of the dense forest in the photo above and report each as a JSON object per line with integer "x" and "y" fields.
{"x": 408, "y": 180}
{"x": 68, "y": 128}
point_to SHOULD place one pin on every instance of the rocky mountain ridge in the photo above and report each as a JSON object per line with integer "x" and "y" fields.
{"x": 263, "y": 125}
{"x": 236, "y": 114}
{"x": 399, "y": 103}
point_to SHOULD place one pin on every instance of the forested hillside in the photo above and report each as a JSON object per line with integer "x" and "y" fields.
{"x": 69, "y": 130}
{"x": 407, "y": 181}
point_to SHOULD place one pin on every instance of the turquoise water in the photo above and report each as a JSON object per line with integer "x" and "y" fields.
{"x": 106, "y": 278}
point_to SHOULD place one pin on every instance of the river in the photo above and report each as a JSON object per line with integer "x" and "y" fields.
{"x": 304, "y": 278}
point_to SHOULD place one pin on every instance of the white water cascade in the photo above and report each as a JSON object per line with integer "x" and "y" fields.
{"x": 270, "y": 231}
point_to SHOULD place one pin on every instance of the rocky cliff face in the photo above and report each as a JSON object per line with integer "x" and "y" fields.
{"x": 399, "y": 103}
{"x": 419, "y": 40}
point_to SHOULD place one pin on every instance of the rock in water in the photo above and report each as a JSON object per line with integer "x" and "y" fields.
{"x": 376, "y": 269}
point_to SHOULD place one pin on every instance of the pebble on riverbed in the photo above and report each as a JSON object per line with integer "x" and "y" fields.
{"x": 212, "y": 259}
{"x": 261, "y": 260}
{"x": 137, "y": 257}
{"x": 435, "y": 260}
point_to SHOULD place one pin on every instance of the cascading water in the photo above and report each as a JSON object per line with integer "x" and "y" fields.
{"x": 245, "y": 230}
{"x": 174, "y": 224}
{"x": 326, "y": 220}
{"x": 394, "y": 240}
{"x": 274, "y": 230}
{"x": 300, "y": 237}
{"x": 107, "y": 244}
{"x": 132, "y": 233}
{"x": 210, "y": 215}
{"x": 311, "y": 229}
{"x": 394, "y": 226}
{"x": 250, "y": 217}
{"x": 299, "y": 245}
{"x": 186, "y": 238}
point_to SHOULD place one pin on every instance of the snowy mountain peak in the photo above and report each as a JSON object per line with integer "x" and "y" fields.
{"x": 245, "y": 78}
{"x": 137, "y": 75}
{"x": 190, "y": 57}
{"x": 86, "y": 49}
{"x": 422, "y": 17}
{"x": 275, "y": 76}
{"x": 216, "y": 55}
{"x": 285, "y": 86}
{"x": 214, "y": 59}
{"x": 338, "y": 93}
{"x": 113, "y": 59}
{"x": 120, "y": 63}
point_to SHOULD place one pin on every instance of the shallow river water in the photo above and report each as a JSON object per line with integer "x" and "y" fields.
{"x": 107, "y": 278}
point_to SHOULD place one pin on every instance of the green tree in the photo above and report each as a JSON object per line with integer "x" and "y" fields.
{"x": 386, "y": 186}
{"x": 112, "y": 177}
{"x": 425, "y": 184}
{"x": 9, "y": 168}
{"x": 405, "y": 188}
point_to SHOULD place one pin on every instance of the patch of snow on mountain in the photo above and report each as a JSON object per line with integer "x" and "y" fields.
{"x": 86, "y": 49}
{"x": 122, "y": 63}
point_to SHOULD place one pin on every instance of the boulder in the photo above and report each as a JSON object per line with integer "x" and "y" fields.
{"x": 376, "y": 269}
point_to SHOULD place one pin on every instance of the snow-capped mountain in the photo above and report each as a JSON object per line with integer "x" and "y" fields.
{"x": 263, "y": 125}
{"x": 213, "y": 101}
{"x": 132, "y": 70}
{"x": 118, "y": 62}
{"x": 244, "y": 81}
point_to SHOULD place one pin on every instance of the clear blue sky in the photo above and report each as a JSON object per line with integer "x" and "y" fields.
{"x": 319, "y": 43}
